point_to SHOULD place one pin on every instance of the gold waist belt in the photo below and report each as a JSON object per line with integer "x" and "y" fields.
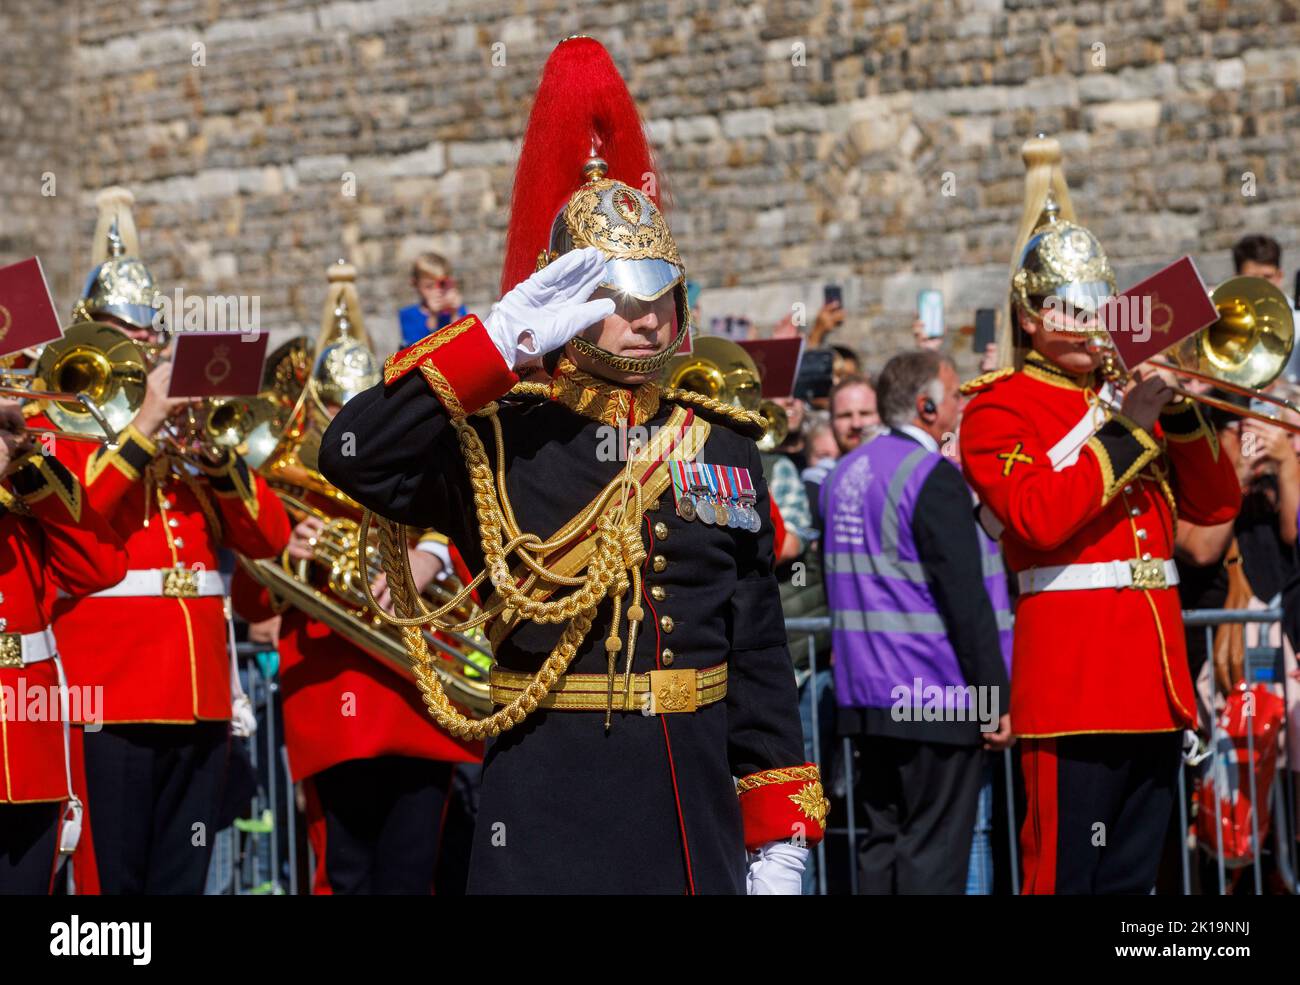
{"x": 656, "y": 693}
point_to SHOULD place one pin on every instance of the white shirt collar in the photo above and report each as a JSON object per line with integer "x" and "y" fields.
{"x": 924, "y": 438}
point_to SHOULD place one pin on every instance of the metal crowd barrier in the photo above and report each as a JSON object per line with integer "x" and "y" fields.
{"x": 1264, "y": 664}
{"x": 248, "y": 856}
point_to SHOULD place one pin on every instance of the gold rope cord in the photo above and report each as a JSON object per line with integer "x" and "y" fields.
{"x": 737, "y": 414}
{"x": 619, "y": 551}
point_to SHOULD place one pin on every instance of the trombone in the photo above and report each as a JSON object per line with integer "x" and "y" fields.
{"x": 1242, "y": 352}
{"x": 24, "y": 393}
{"x": 92, "y": 379}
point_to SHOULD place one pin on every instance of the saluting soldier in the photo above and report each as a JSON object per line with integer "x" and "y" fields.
{"x": 1082, "y": 482}
{"x": 157, "y": 640}
{"x": 51, "y": 543}
{"x": 648, "y": 730}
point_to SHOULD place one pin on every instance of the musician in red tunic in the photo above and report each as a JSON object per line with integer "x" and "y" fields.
{"x": 51, "y": 543}
{"x": 157, "y": 641}
{"x": 1083, "y": 481}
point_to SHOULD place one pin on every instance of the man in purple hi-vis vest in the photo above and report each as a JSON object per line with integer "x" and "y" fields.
{"x": 921, "y": 669}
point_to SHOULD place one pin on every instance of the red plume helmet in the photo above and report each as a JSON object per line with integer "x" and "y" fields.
{"x": 586, "y": 178}
{"x": 582, "y": 105}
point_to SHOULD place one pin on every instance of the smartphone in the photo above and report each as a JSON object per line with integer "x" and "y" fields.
{"x": 814, "y": 379}
{"x": 692, "y": 294}
{"x": 929, "y": 307}
{"x": 1265, "y": 408}
{"x": 986, "y": 329}
{"x": 833, "y": 294}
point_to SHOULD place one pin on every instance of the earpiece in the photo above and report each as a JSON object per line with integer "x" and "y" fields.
{"x": 929, "y": 407}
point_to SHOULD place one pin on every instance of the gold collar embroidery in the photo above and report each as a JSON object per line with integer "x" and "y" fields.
{"x": 1038, "y": 367}
{"x": 603, "y": 400}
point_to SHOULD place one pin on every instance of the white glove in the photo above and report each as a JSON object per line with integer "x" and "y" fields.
{"x": 776, "y": 869}
{"x": 549, "y": 308}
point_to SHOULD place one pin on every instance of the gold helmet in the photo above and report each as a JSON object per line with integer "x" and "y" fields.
{"x": 1063, "y": 260}
{"x": 120, "y": 285}
{"x": 345, "y": 363}
{"x": 624, "y": 224}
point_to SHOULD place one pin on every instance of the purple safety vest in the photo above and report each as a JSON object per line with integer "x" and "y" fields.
{"x": 886, "y": 627}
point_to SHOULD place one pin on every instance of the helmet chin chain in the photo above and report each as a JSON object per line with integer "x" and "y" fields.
{"x": 631, "y": 364}
{"x": 1110, "y": 369}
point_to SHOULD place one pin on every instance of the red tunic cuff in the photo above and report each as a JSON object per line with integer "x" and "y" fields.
{"x": 461, "y": 364}
{"x": 783, "y": 805}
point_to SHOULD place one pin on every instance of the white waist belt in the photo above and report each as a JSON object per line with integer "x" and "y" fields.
{"x": 1135, "y": 573}
{"x": 171, "y": 582}
{"x": 21, "y": 649}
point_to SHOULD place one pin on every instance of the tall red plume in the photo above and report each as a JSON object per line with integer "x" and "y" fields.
{"x": 581, "y": 95}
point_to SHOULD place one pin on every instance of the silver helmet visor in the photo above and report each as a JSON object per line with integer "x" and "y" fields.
{"x": 1089, "y": 296}
{"x": 645, "y": 280}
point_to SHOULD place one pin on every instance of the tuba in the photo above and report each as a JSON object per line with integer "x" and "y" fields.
{"x": 299, "y": 398}
{"x": 719, "y": 368}
{"x": 776, "y": 425}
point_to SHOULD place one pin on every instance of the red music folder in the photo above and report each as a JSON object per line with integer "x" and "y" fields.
{"x": 778, "y": 363}
{"x": 218, "y": 364}
{"x": 27, "y": 313}
{"x": 1158, "y": 312}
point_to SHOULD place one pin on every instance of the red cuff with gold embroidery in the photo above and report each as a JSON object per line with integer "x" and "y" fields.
{"x": 461, "y": 364}
{"x": 781, "y": 804}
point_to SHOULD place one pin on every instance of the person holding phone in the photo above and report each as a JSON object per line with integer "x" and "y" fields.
{"x": 440, "y": 302}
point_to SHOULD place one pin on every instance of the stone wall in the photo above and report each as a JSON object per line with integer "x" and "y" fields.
{"x": 871, "y": 144}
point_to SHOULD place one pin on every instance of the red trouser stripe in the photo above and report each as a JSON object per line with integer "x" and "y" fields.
{"x": 1038, "y": 838}
{"x": 316, "y": 827}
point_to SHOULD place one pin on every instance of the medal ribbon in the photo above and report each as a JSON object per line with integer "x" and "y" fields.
{"x": 678, "y": 470}
{"x": 746, "y": 484}
{"x": 711, "y": 480}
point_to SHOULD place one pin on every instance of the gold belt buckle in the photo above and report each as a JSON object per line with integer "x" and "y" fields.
{"x": 672, "y": 691}
{"x": 180, "y": 583}
{"x": 1148, "y": 573}
{"x": 11, "y": 651}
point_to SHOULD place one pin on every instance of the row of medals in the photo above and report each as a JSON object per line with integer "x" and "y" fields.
{"x": 719, "y": 512}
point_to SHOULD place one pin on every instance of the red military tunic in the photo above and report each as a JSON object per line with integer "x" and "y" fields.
{"x": 1103, "y": 659}
{"x": 159, "y": 658}
{"x": 339, "y": 702}
{"x": 50, "y": 542}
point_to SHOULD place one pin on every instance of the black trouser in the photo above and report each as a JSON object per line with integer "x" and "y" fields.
{"x": 382, "y": 819}
{"x": 153, "y": 792}
{"x": 918, "y": 803}
{"x": 1097, "y": 810}
{"x": 28, "y": 835}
